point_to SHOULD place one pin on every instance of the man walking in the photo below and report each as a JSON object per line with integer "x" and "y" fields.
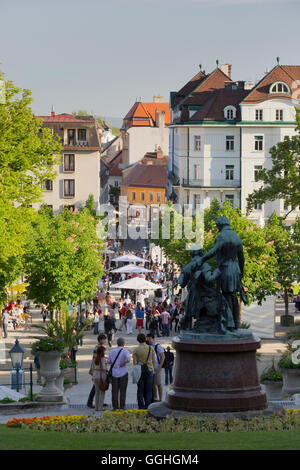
{"x": 101, "y": 342}
{"x": 165, "y": 319}
{"x": 159, "y": 360}
{"x": 119, "y": 357}
{"x": 5, "y": 317}
{"x": 144, "y": 355}
{"x": 168, "y": 366}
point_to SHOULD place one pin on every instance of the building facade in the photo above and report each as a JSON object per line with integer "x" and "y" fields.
{"x": 221, "y": 134}
{"x": 78, "y": 174}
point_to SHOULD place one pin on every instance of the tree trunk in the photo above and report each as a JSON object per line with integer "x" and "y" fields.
{"x": 286, "y": 302}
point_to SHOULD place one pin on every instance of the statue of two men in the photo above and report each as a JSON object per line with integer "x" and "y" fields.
{"x": 216, "y": 308}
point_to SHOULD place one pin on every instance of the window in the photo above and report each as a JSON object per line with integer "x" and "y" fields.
{"x": 69, "y": 162}
{"x": 71, "y": 137}
{"x": 258, "y": 142}
{"x": 197, "y": 143}
{"x": 197, "y": 172}
{"x": 70, "y": 207}
{"x": 229, "y": 172}
{"x": 143, "y": 196}
{"x": 279, "y": 87}
{"x": 229, "y": 142}
{"x": 69, "y": 188}
{"x": 279, "y": 114}
{"x": 285, "y": 206}
{"x": 48, "y": 185}
{"x": 197, "y": 200}
{"x": 258, "y": 207}
{"x": 82, "y": 135}
{"x": 257, "y": 168}
{"x": 258, "y": 114}
{"x": 133, "y": 196}
{"x": 229, "y": 113}
{"x": 116, "y": 184}
{"x": 158, "y": 197}
{"x": 230, "y": 198}
{"x": 151, "y": 198}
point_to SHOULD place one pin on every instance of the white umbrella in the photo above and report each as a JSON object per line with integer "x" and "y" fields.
{"x": 131, "y": 268}
{"x": 137, "y": 283}
{"x": 129, "y": 258}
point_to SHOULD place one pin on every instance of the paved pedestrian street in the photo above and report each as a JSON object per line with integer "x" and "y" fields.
{"x": 77, "y": 395}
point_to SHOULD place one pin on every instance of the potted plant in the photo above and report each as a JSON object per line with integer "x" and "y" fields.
{"x": 272, "y": 380}
{"x": 49, "y": 350}
{"x": 291, "y": 375}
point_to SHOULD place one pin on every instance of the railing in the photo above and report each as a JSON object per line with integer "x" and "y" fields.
{"x": 18, "y": 379}
{"x": 201, "y": 183}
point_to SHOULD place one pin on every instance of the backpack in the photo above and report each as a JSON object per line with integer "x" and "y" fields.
{"x": 145, "y": 372}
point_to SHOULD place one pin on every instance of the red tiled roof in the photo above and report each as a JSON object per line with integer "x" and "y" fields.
{"x": 141, "y": 175}
{"x": 189, "y": 87}
{"x": 215, "y": 81}
{"x": 144, "y": 114}
{"x": 213, "y": 109}
{"x": 62, "y": 118}
{"x": 281, "y": 73}
{"x": 114, "y": 169}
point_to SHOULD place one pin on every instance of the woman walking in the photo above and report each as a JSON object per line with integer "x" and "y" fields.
{"x": 129, "y": 317}
{"x": 99, "y": 373}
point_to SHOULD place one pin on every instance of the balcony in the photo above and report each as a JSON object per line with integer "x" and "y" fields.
{"x": 76, "y": 143}
{"x": 214, "y": 183}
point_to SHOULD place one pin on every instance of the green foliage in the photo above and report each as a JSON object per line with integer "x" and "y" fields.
{"x": 260, "y": 262}
{"x": 65, "y": 327}
{"x": 286, "y": 254}
{"x": 271, "y": 374}
{"x": 27, "y": 156}
{"x": 6, "y": 400}
{"x": 282, "y": 181}
{"x": 287, "y": 363}
{"x": 48, "y": 344}
{"x": 63, "y": 258}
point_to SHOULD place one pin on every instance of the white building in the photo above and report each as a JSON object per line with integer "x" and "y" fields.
{"x": 145, "y": 130}
{"x": 221, "y": 133}
{"x": 78, "y": 175}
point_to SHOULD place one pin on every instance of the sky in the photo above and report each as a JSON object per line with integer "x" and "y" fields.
{"x": 102, "y": 56}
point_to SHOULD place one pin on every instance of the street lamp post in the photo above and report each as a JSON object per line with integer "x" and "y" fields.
{"x": 17, "y": 355}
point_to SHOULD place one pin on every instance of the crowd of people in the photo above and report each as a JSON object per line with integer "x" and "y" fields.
{"x": 17, "y": 314}
{"x": 149, "y": 356}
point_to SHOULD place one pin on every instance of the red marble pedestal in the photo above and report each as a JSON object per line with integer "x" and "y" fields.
{"x": 216, "y": 376}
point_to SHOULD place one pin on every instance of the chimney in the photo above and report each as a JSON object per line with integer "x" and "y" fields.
{"x": 52, "y": 111}
{"x": 156, "y": 118}
{"x": 158, "y": 99}
{"x": 162, "y": 119}
{"x": 159, "y": 153}
{"x": 226, "y": 68}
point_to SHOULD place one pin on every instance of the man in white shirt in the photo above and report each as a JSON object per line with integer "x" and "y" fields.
{"x": 119, "y": 357}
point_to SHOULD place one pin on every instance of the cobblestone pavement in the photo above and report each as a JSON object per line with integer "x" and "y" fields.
{"x": 78, "y": 394}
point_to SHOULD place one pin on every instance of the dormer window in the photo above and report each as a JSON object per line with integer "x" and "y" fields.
{"x": 279, "y": 87}
{"x": 229, "y": 113}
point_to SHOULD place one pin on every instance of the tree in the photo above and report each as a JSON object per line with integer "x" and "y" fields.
{"x": 27, "y": 155}
{"x": 260, "y": 262}
{"x": 63, "y": 258}
{"x": 282, "y": 181}
{"x": 286, "y": 253}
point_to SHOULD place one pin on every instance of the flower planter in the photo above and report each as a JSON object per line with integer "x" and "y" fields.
{"x": 49, "y": 361}
{"x": 291, "y": 381}
{"x": 273, "y": 389}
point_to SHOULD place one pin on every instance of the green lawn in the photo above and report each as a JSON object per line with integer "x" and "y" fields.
{"x": 23, "y": 439}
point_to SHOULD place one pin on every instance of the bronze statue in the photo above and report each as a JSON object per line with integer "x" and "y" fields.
{"x": 212, "y": 299}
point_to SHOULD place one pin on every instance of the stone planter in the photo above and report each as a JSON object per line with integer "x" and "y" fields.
{"x": 291, "y": 381}
{"x": 273, "y": 389}
{"x": 49, "y": 361}
{"x": 59, "y": 381}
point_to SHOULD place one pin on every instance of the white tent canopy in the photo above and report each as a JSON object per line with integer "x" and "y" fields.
{"x": 137, "y": 283}
{"x": 129, "y": 259}
{"x": 131, "y": 268}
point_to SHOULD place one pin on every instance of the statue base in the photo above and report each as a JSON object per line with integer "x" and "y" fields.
{"x": 216, "y": 375}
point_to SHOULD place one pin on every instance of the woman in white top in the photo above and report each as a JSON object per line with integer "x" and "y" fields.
{"x": 101, "y": 323}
